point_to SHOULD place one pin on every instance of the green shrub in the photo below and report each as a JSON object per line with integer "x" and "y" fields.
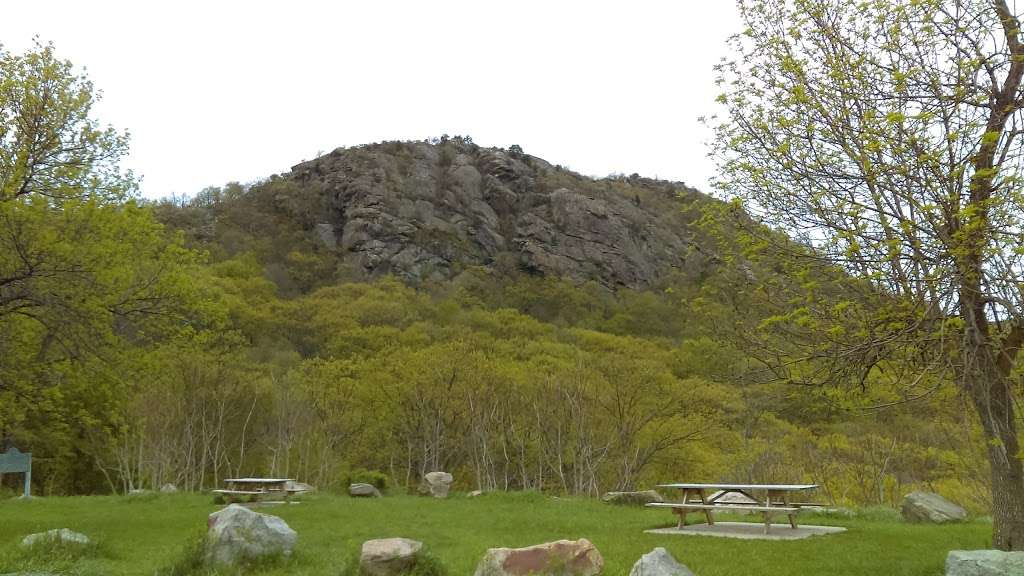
{"x": 375, "y": 478}
{"x": 142, "y": 496}
{"x": 879, "y": 514}
{"x": 191, "y": 561}
{"x": 50, "y": 555}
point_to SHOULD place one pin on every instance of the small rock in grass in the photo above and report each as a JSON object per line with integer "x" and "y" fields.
{"x": 930, "y": 507}
{"x": 361, "y": 490}
{"x": 388, "y": 556}
{"x": 237, "y": 534}
{"x": 168, "y": 488}
{"x": 659, "y": 562}
{"x": 632, "y": 498}
{"x": 837, "y": 512}
{"x": 475, "y": 493}
{"x": 561, "y": 558}
{"x": 57, "y": 535}
{"x": 984, "y": 563}
{"x": 298, "y": 486}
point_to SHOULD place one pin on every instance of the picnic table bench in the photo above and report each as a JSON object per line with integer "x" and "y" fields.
{"x": 776, "y": 500}
{"x": 255, "y": 488}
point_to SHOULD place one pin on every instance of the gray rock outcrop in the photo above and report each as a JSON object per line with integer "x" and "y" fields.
{"x": 436, "y": 484}
{"x": 236, "y": 534}
{"x": 388, "y": 556}
{"x": 560, "y": 558}
{"x": 930, "y": 507}
{"x": 361, "y": 490}
{"x": 57, "y": 535}
{"x": 421, "y": 211}
{"x": 638, "y": 498}
{"x": 984, "y": 563}
{"x": 659, "y": 562}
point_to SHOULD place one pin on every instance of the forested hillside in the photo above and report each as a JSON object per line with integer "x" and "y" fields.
{"x": 510, "y": 374}
{"x": 396, "y": 308}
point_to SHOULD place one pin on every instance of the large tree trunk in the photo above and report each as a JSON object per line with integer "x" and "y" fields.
{"x": 994, "y": 403}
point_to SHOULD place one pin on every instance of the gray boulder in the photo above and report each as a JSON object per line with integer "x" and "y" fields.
{"x": 168, "y": 488}
{"x": 57, "y": 535}
{"x": 436, "y": 484}
{"x": 930, "y": 507}
{"x": 560, "y": 558}
{"x": 388, "y": 556}
{"x": 475, "y": 493}
{"x": 361, "y": 490}
{"x": 659, "y": 562}
{"x": 632, "y": 498}
{"x": 237, "y": 534}
{"x": 298, "y": 486}
{"x": 984, "y": 563}
{"x": 724, "y": 497}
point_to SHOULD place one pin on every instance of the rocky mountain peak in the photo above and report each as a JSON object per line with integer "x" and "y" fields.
{"x": 422, "y": 210}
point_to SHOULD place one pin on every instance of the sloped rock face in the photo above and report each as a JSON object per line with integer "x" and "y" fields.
{"x": 238, "y": 534}
{"x": 560, "y": 558}
{"x": 930, "y": 507}
{"x": 361, "y": 490}
{"x": 984, "y": 563}
{"x": 421, "y": 211}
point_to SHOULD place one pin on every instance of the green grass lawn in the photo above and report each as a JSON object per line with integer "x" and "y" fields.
{"x": 142, "y": 536}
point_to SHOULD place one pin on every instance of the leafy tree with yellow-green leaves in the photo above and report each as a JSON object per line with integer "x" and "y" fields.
{"x": 84, "y": 270}
{"x": 885, "y": 135}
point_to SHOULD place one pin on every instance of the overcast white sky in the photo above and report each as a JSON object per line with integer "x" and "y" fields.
{"x": 219, "y": 91}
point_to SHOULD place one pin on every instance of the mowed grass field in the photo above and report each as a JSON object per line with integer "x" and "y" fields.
{"x": 146, "y": 535}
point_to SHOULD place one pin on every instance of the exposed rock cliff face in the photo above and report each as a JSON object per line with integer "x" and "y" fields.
{"x": 425, "y": 211}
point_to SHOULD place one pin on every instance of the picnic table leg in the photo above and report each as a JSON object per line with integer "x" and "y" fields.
{"x": 767, "y": 513}
{"x": 680, "y": 511}
{"x": 792, "y": 516}
{"x": 682, "y": 517}
{"x": 707, "y": 513}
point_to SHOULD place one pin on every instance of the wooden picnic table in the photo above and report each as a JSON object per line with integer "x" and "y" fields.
{"x": 770, "y": 499}
{"x": 254, "y": 488}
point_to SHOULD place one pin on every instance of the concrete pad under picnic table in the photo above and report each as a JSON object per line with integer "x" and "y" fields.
{"x": 750, "y": 531}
